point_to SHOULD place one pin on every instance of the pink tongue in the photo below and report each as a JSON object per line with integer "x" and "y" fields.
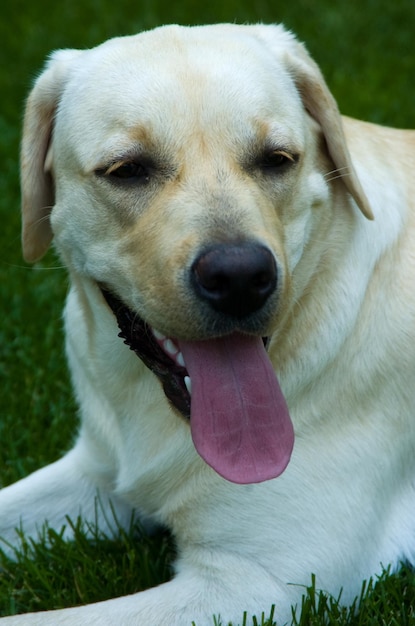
{"x": 239, "y": 419}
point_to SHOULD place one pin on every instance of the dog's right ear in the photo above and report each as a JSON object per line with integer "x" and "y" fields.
{"x": 319, "y": 103}
{"x": 37, "y": 185}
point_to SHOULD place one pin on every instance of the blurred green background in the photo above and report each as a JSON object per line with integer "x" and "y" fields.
{"x": 366, "y": 50}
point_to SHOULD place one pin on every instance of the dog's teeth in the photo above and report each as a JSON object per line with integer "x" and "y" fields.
{"x": 188, "y": 384}
{"x": 169, "y": 346}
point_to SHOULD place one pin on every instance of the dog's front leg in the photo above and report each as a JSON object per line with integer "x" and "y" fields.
{"x": 64, "y": 488}
{"x": 225, "y": 586}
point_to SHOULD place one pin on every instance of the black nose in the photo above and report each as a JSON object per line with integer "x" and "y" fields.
{"x": 235, "y": 279}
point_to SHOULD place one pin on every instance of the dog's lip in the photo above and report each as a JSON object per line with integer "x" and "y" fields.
{"x": 156, "y": 351}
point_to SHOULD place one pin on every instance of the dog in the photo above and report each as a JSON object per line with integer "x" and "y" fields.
{"x": 240, "y": 325}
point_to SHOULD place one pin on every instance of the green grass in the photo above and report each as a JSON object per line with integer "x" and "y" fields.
{"x": 52, "y": 573}
{"x": 366, "y": 51}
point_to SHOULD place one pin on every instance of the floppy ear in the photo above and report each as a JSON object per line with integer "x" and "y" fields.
{"x": 36, "y": 155}
{"x": 320, "y": 104}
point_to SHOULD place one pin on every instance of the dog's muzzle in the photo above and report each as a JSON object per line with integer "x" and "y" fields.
{"x": 226, "y": 385}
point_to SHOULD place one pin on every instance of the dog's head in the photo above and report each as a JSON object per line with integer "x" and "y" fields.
{"x": 184, "y": 172}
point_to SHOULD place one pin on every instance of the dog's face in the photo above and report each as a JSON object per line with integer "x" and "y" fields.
{"x": 172, "y": 143}
{"x": 189, "y": 167}
{"x": 167, "y": 150}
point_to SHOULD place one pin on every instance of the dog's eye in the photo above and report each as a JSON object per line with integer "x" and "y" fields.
{"x": 125, "y": 171}
{"x": 128, "y": 170}
{"x": 276, "y": 159}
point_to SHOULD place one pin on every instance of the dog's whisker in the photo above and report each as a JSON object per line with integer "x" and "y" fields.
{"x": 337, "y": 169}
{"x": 44, "y": 218}
{"x": 341, "y": 172}
{"x": 36, "y": 268}
{"x": 329, "y": 180}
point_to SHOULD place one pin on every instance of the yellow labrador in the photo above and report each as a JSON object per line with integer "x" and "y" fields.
{"x": 242, "y": 268}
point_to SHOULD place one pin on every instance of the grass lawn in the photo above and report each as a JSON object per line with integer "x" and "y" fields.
{"x": 366, "y": 50}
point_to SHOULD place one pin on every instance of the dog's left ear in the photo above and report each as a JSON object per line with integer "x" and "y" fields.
{"x": 320, "y": 104}
{"x": 37, "y": 156}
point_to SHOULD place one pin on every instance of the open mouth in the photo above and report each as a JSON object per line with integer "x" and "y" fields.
{"x": 227, "y": 387}
{"x": 157, "y": 352}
